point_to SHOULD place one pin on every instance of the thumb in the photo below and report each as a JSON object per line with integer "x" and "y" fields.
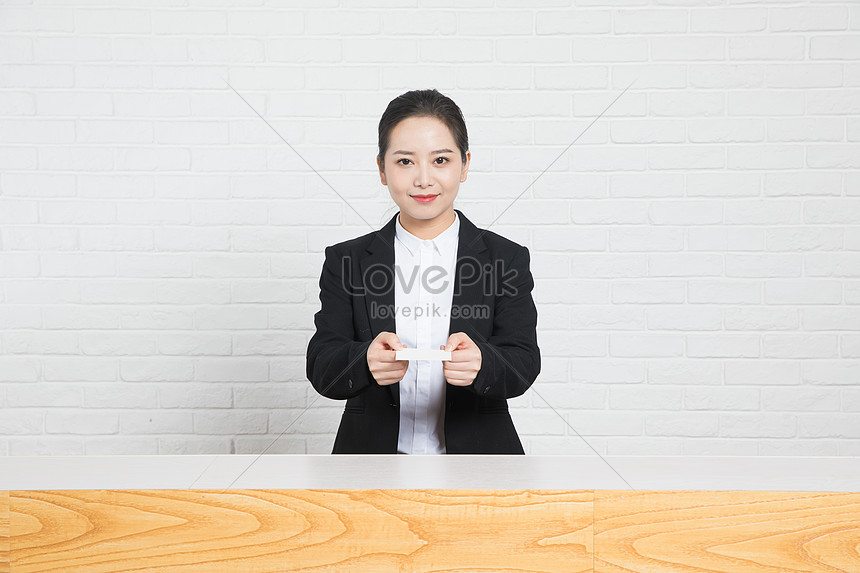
{"x": 393, "y": 341}
{"x": 454, "y": 341}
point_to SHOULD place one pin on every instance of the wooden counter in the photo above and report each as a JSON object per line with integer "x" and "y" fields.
{"x": 429, "y": 513}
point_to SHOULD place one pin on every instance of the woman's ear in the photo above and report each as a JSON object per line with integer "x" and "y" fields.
{"x": 379, "y": 165}
{"x": 465, "y": 171}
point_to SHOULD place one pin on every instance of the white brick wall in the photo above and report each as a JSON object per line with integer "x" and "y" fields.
{"x": 696, "y": 253}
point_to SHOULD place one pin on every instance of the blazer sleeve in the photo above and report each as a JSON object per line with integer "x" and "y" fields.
{"x": 510, "y": 358}
{"x": 337, "y": 362}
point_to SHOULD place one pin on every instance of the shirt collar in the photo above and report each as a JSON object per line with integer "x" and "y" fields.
{"x": 444, "y": 242}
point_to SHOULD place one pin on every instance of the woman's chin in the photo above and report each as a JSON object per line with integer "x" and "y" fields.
{"x": 424, "y": 213}
{"x": 425, "y": 210}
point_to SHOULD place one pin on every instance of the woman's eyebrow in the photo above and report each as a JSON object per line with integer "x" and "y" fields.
{"x": 401, "y": 152}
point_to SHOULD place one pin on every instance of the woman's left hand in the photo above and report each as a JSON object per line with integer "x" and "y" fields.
{"x": 465, "y": 361}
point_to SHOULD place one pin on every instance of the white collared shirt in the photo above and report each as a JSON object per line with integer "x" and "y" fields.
{"x": 423, "y": 267}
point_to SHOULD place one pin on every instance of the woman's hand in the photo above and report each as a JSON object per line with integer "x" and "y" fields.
{"x": 465, "y": 361}
{"x": 380, "y": 359}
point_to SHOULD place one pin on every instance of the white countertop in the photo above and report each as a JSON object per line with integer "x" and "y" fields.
{"x": 383, "y": 471}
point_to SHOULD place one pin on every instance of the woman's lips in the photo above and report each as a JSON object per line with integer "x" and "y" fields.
{"x": 424, "y": 198}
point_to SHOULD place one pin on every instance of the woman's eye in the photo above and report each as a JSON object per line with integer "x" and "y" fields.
{"x": 445, "y": 160}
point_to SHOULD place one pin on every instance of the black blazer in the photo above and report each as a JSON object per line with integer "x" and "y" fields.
{"x": 358, "y": 278}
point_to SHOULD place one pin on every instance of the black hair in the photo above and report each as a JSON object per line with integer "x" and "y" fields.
{"x": 422, "y": 103}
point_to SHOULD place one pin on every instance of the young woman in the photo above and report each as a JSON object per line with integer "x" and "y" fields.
{"x": 429, "y": 279}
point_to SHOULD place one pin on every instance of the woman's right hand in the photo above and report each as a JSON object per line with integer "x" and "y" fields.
{"x": 380, "y": 359}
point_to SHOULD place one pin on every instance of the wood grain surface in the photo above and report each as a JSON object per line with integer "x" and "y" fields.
{"x": 4, "y": 532}
{"x": 726, "y": 531}
{"x": 301, "y": 530}
{"x": 451, "y": 531}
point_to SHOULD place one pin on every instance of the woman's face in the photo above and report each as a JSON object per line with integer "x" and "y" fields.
{"x": 423, "y": 159}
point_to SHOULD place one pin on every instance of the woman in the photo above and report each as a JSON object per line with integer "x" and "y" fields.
{"x": 428, "y": 279}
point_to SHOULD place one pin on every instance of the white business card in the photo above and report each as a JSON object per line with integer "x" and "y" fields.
{"x": 422, "y": 354}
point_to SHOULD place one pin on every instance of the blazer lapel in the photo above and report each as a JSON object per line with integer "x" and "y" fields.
{"x": 377, "y": 278}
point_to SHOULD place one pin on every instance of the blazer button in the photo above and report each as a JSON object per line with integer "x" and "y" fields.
{"x": 487, "y": 389}
{"x": 350, "y": 383}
